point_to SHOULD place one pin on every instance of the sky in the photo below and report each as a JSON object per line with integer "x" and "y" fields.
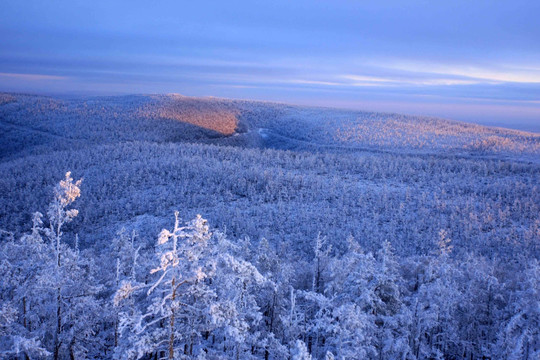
{"x": 476, "y": 61}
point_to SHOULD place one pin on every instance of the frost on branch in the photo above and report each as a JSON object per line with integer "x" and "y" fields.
{"x": 203, "y": 298}
{"x": 444, "y": 243}
{"x": 65, "y": 193}
{"x": 124, "y": 292}
{"x": 31, "y": 346}
{"x": 300, "y": 351}
{"x": 52, "y": 286}
{"x": 178, "y": 296}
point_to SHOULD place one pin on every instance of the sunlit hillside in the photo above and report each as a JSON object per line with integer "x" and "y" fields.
{"x": 32, "y": 124}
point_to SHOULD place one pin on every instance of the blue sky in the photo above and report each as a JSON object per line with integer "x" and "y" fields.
{"x": 466, "y": 60}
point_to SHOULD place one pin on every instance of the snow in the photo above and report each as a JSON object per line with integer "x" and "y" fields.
{"x": 323, "y": 234}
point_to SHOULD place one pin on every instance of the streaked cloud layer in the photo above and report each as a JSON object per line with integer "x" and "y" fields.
{"x": 474, "y": 61}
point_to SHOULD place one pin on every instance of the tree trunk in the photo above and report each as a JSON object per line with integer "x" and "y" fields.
{"x": 71, "y": 353}
{"x": 24, "y": 312}
{"x": 58, "y": 325}
{"x": 116, "y": 331}
{"x": 171, "y": 324}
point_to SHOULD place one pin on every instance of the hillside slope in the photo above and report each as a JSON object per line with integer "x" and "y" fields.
{"x": 33, "y": 124}
{"x": 344, "y": 169}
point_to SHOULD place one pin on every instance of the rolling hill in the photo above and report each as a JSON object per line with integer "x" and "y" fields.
{"x": 32, "y": 124}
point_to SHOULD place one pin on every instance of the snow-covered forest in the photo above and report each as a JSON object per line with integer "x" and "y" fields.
{"x": 167, "y": 227}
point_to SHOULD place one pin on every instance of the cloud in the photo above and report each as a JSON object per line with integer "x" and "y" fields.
{"x": 359, "y": 80}
{"x": 32, "y": 77}
{"x": 498, "y": 73}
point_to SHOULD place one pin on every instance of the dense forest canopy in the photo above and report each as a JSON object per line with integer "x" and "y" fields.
{"x": 322, "y": 233}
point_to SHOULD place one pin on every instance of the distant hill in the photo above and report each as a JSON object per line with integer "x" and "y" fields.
{"x": 33, "y": 124}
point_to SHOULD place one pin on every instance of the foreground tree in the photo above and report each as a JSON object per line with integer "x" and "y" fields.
{"x": 180, "y": 292}
{"x": 203, "y": 299}
{"x": 520, "y": 337}
{"x": 53, "y": 284}
{"x": 19, "y": 317}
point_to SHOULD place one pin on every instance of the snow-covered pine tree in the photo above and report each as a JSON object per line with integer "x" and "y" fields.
{"x": 21, "y": 262}
{"x": 271, "y": 297}
{"x": 178, "y": 298}
{"x": 437, "y": 302}
{"x": 520, "y": 337}
{"x": 65, "y": 193}
{"x": 320, "y": 261}
{"x": 203, "y": 298}
{"x": 236, "y": 313}
{"x": 481, "y": 311}
{"x": 390, "y": 316}
{"x": 127, "y": 256}
{"x": 57, "y": 297}
{"x": 344, "y": 318}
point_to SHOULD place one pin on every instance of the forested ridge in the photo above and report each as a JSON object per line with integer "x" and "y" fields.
{"x": 194, "y": 238}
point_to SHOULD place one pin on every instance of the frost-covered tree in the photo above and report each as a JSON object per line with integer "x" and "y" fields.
{"x": 65, "y": 193}
{"x": 127, "y": 255}
{"x": 57, "y": 295}
{"x": 272, "y": 297}
{"x": 126, "y": 266}
{"x": 236, "y": 313}
{"x": 343, "y": 320}
{"x": 21, "y": 262}
{"x": 481, "y": 310}
{"x": 178, "y": 299}
{"x": 520, "y": 336}
{"x": 203, "y": 301}
{"x": 322, "y": 251}
{"x": 391, "y": 317}
{"x": 294, "y": 319}
{"x": 436, "y": 307}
